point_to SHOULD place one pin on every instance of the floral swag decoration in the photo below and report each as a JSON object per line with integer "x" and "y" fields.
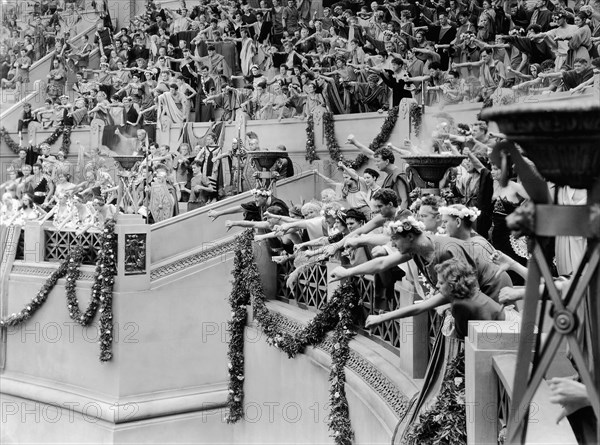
{"x": 102, "y": 290}
{"x": 405, "y": 225}
{"x": 470, "y": 213}
{"x": 51, "y": 140}
{"x": 331, "y": 142}
{"x": 337, "y": 315}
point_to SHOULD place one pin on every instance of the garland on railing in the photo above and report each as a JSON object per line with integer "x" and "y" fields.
{"x": 386, "y": 129}
{"x": 337, "y": 315}
{"x": 416, "y": 118}
{"x": 102, "y": 290}
{"x": 333, "y": 147}
{"x": 446, "y": 421}
{"x": 50, "y": 140}
{"x": 27, "y": 312}
{"x": 311, "y": 150}
{"x": 106, "y": 270}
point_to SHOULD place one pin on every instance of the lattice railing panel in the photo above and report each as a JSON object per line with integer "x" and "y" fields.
{"x": 502, "y": 411}
{"x": 312, "y": 286}
{"x": 283, "y": 271}
{"x": 310, "y": 291}
{"x": 58, "y": 244}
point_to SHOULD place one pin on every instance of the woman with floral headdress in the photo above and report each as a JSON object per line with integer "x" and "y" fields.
{"x": 457, "y": 285}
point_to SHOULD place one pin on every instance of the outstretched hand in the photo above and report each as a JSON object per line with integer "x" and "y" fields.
{"x": 502, "y": 260}
{"x": 373, "y": 320}
{"x": 213, "y": 214}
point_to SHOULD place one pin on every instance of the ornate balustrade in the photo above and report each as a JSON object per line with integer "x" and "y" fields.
{"x": 411, "y": 338}
{"x": 58, "y": 243}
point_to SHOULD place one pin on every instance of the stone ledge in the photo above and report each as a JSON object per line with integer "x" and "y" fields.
{"x": 115, "y": 410}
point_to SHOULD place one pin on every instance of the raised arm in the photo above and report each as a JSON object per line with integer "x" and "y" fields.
{"x": 363, "y": 148}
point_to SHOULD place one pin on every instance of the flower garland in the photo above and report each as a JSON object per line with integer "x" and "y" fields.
{"x": 446, "y": 421}
{"x": 311, "y": 150}
{"x": 333, "y": 147}
{"x": 416, "y": 118}
{"x": 102, "y": 289}
{"x": 27, "y": 312}
{"x": 106, "y": 270}
{"x": 386, "y": 129}
{"x": 337, "y": 315}
{"x": 51, "y": 140}
{"x": 73, "y": 274}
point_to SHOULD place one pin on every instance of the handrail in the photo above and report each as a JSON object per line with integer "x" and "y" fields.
{"x": 198, "y": 228}
{"x": 411, "y": 338}
{"x": 37, "y": 76}
{"x": 542, "y": 428}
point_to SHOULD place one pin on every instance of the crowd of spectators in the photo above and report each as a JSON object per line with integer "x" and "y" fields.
{"x": 211, "y": 61}
{"x": 217, "y": 60}
{"x": 454, "y": 248}
{"x": 31, "y": 30}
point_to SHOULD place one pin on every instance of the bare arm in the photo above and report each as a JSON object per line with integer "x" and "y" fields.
{"x": 370, "y": 267}
{"x": 214, "y": 214}
{"x": 407, "y": 311}
{"x": 363, "y": 148}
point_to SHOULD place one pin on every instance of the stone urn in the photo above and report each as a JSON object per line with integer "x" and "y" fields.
{"x": 432, "y": 168}
{"x": 127, "y": 162}
{"x": 263, "y": 161}
{"x": 561, "y": 137}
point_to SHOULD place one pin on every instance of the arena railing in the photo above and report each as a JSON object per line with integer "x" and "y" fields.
{"x": 190, "y": 230}
{"x": 410, "y": 338}
{"x": 38, "y": 80}
{"x": 490, "y": 362}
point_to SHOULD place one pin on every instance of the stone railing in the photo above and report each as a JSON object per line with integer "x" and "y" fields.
{"x": 490, "y": 361}
{"x": 411, "y": 338}
{"x": 36, "y": 93}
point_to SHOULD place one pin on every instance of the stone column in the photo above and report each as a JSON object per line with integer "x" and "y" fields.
{"x": 414, "y": 337}
{"x": 34, "y": 242}
{"x": 486, "y": 339}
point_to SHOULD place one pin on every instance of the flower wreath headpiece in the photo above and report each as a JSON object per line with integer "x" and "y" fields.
{"x": 260, "y": 192}
{"x": 471, "y": 213}
{"x": 415, "y": 205}
{"x": 334, "y": 213}
{"x": 405, "y": 225}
